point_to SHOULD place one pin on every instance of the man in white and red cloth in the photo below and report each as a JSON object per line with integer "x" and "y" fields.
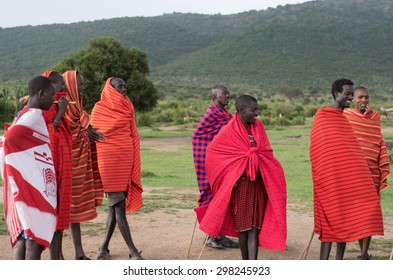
{"x": 248, "y": 184}
{"x": 29, "y": 179}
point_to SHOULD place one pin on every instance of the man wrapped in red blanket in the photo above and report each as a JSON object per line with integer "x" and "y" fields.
{"x": 61, "y": 147}
{"x": 346, "y": 203}
{"x": 119, "y": 161}
{"x": 248, "y": 184}
{"x": 366, "y": 123}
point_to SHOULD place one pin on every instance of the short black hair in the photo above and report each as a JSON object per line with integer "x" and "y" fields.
{"x": 38, "y": 83}
{"x": 244, "y": 100}
{"x": 55, "y": 77}
{"x": 338, "y": 85}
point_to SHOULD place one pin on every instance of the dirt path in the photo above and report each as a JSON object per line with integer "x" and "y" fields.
{"x": 163, "y": 235}
{"x": 166, "y": 235}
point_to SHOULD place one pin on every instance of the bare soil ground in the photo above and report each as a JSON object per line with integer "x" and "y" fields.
{"x": 163, "y": 235}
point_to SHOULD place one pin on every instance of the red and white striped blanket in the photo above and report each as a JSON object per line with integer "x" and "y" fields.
{"x": 29, "y": 182}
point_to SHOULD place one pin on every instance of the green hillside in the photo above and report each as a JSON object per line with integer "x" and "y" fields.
{"x": 305, "y": 45}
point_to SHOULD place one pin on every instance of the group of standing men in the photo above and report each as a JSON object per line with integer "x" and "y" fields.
{"x": 350, "y": 167}
{"x": 242, "y": 185}
{"x": 57, "y": 162}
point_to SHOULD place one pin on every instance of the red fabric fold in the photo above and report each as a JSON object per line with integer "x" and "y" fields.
{"x": 61, "y": 148}
{"x": 87, "y": 190}
{"x": 227, "y": 157}
{"x": 346, "y": 203}
{"x": 119, "y": 154}
{"x": 367, "y": 130}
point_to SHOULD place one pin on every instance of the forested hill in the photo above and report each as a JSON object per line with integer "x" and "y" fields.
{"x": 305, "y": 45}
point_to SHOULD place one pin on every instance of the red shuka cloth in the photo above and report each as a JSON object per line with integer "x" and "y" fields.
{"x": 367, "y": 128}
{"x": 87, "y": 190}
{"x": 61, "y": 147}
{"x": 227, "y": 157}
{"x": 346, "y": 203}
{"x": 119, "y": 159}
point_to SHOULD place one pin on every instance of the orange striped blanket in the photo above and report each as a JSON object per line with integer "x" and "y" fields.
{"x": 367, "y": 129}
{"x": 119, "y": 154}
{"x": 346, "y": 204}
{"x": 87, "y": 191}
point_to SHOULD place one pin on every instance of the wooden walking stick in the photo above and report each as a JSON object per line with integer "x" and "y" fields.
{"x": 203, "y": 247}
{"x": 391, "y": 255}
{"x": 192, "y": 238}
{"x": 303, "y": 255}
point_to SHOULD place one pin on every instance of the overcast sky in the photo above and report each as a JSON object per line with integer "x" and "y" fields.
{"x": 29, "y": 12}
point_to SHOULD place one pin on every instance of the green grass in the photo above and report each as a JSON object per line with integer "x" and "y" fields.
{"x": 166, "y": 131}
{"x": 168, "y": 199}
{"x": 3, "y": 226}
{"x": 168, "y": 168}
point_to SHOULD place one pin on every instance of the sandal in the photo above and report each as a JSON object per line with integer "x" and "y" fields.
{"x": 136, "y": 256}
{"x": 214, "y": 243}
{"x": 360, "y": 257}
{"x": 104, "y": 255}
{"x": 228, "y": 243}
{"x": 83, "y": 258}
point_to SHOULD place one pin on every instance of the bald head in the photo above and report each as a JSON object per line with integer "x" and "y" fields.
{"x": 119, "y": 85}
{"x": 220, "y": 96}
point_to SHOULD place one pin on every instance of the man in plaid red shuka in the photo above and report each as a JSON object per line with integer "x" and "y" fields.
{"x": 214, "y": 119}
{"x": 248, "y": 184}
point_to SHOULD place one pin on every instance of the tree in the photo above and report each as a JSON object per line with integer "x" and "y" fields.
{"x": 291, "y": 92}
{"x": 105, "y": 57}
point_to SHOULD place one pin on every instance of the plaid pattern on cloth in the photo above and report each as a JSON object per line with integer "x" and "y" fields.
{"x": 210, "y": 124}
{"x": 367, "y": 130}
{"x": 61, "y": 147}
{"x": 227, "y": 157}
{"x": 346, "y": 203}
{"x": 119, "y": 158}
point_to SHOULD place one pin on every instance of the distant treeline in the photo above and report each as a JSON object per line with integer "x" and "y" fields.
{"x": 306, "y": 46}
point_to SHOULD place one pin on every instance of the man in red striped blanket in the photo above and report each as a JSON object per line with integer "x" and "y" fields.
{"x": 346, "y": 203}
{"x": 119, "y": 161}
{"x": 216, "y": 117}
{"x": 366, "y": 123}
{"x": 248, "y": 184}
{"x": 29, "y": 177}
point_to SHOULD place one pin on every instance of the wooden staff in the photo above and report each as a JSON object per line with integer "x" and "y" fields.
{"x": 203, "y": 247}
{"x": 192, "y": 238}
{"x": 303, "y": 255}
{"x": 69, "y": 102}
